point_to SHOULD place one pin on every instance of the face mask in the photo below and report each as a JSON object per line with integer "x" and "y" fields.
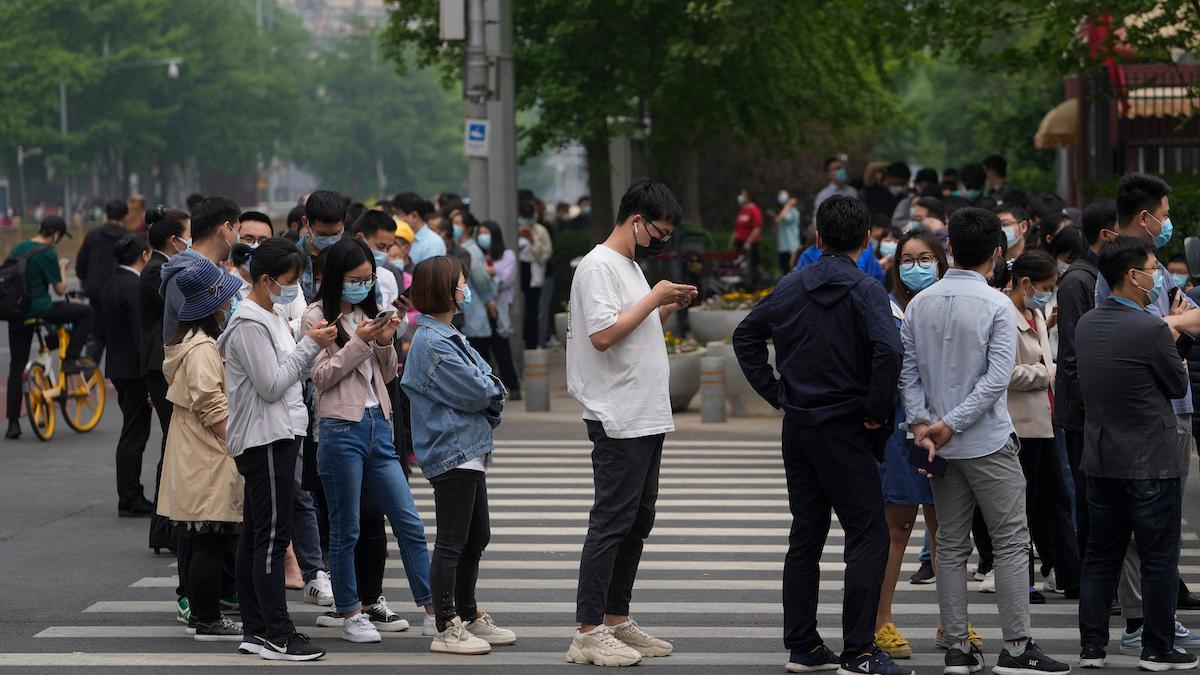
{"x": 1180, "y": 280}
{"x": 254, "y": 245}
{"x": 586, "y": 210}
{"x": 1155, "y": 291}
{"x": 1063, "y": 267}
{"x": 485, "y": 242}
{"x": 323, "y": 243}
{"x": 466, "y": 301}
{"x": 1012, "y": 234}
{"x": 782, "y": 198}
{"x": 913, "y": 225}
{"x": 286, "y": 293}
{"x": 525, "y": 222}
{"x": 356, "y": 293}
{"x": 1164, "y": 235}
{"x": 841, "y": 176}
{"x": 187, "y": 243}
{"x": 458, "y": 229}
{"x": 380, "y": 258}
{"x": 898, "y": 190}
{"x": 652, "y": 248}
{"x": 741, "y": 199}
{"x": 887, "y": 249}
{"x": 970, "y": 195}
{"x": 1039, "y": 300}
{"x": 918, "y": 278}
{"x": 398, "y": 263}
{"x": 233, "y": 302}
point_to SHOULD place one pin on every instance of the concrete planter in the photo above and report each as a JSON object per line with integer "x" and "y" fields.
{"x": 685, "y": 378}
{"x": 741, "y": 399}
{"x": 715, "y": 325}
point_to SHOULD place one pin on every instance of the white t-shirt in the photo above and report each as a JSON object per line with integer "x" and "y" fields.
{"x": 473, "y": 465}
{"x": 367, "y": 368}
{"x": 627, "y": 388}
{"x": 389, "y": 291}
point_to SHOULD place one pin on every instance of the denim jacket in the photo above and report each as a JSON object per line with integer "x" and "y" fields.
{"x": 455, "y": 399}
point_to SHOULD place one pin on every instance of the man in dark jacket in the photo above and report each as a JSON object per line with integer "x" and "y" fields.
{"x": 1130, "y": 371}
{"x": 95, "y": 265}
{"x": 1076, "y": 297}
{"x": 839, "y": 359}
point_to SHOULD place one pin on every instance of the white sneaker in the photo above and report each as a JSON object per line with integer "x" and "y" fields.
{"x": 632, "y": 634}
{"x": 484, "y": 628}
{"x": 988, "y": 585}
{"x": 330, "y": 619}
{"x": 1050, "y": 585}
{"x": 319, "y": 591}
{"x": 601, "y": 647}
{"x": 429, "y": 626}
{"x": 458, "y": 640}
{"x": 359, "y": 628}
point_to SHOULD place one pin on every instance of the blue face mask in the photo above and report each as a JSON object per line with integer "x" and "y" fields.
{"x": 1039, "y": 300}
{"x": 398, "y": 263}
{"x": 485, "y": 242}
{"x": 466, "y": 301}
{"x": 1180, "y": 280}
{"x": 887, "y": 249}
{"x": 286, "y": 293}
{"x": 1012, "y": 235}
{"x": 323, "y": 243}
{"x": 841, "y": 176}
{"x": 356, "y": 293}
{"x": 1164, "y": 235}
{"x": 380, "y": 258}
{"x": 918, "y": 278}
{"x": 525, "y": 222}
{"x": 233, "y": 302}
{"x": 1157, "y": 290}
{"x": 187, "y": 243}
{"x": 970, "y": 195}
{"x": 458, "y": 230}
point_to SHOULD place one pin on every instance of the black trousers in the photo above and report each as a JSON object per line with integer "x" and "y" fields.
{"x": 983, "y": 540}
{"x": 625, "y": 474}
{"x": 270, "y": 473}
{"x": 161, "y": 532}
{"x": 210, "y": 554}
{"x": 1046, "y": 494}
{"x": 830, "y": 466}
{"x": 371, "y": 551}
{"x": 497, "y": 351}
{"x": 533, "y": 297}
{"x": 1082, "y": 516}
{"x": 460, "y": 500}
{"x": 134, "y": 401}
{"x": 20, "y": 341}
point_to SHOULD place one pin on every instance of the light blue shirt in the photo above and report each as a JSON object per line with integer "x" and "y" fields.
{"x": 1159, "y": 308}
{"x": 829, "y": 191}
{"x": 787, "y": 239}
{"x": 960, "y": 347}
{"x": 426, "y": 244}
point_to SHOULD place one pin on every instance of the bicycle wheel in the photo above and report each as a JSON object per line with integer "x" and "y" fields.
{"x": 83, "y": 399}
{"x": 38, "y": 408}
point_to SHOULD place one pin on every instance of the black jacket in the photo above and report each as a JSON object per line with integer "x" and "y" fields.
{"x": 150, "y": 302}
{"x": 1076, "y": 297}
{"x": 1193, "y": 360}
{"x": 837, "y": 347}
{"x": 1129, "y": 371}
{"x": 96, "y": 263}
{"x": 122, "y": 327}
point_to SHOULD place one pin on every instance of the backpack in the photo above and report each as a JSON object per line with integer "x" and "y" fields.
{"x": 14, "y": 291}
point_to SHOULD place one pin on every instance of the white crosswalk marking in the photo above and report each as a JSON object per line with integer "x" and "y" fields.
{"x": 711, "y": 570}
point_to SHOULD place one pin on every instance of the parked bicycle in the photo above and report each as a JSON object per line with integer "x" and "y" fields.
{"x": 80, "y": 395}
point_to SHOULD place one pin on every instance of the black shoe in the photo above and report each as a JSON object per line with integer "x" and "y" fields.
{"x": 1036, "y": 598}
{"x": 924, "y": 575}
{"x": 1186, "y": 599}
{"x": 875, "y": 662}
{"x": 817, "y": 658}
{"x": 1114, "y": 609}
{"x": 1033, "y": 662}
{"x": 958, "y": 663}
{"x": 14, "y": 430}
{"x": 222, "y": 630}
{"x": 251, "y": 644}
{"x": 142, "y": 509}
{"x": 1176, "y": 660}
{"x": 1092, "y": 657}
{"x": 295, "y": 648}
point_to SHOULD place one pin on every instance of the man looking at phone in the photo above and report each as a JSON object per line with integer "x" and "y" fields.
{"x": 960, "y": 346}
{"x": 839, "y": 355}
{"x": 617, "y": 369}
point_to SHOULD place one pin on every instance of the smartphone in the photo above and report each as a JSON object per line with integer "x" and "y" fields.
{"x": 384, "y": 316}
{"x": 919, "y": 457}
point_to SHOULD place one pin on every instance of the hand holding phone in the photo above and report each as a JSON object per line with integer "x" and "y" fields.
{"x": 918, "y": 456}
{"x": 384, "y": 316}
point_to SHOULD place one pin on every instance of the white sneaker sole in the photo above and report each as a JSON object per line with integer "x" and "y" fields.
{"x": 1091, "y": 664}
{"x": 1004, "y": 670}
{"x": 329, "y": 621}
{"x": 217, "y": 638}
{"x": 362, "y": 638}
{"x": 393, "y": 627}
{"x": 272, "y": 655}
{"x": 843, "y": 671}
{"x": 793, "y": 667}
{"x": 652, "y": 652}
{"x": 318, "y": 600}
{"x": 1158, "y": 667}
{"x": 962, "y": 670}
{"x": 250, "y": 648}
{"x": 438, "y": 647}
{"x": 576, "y": 655}
{"x": 496, "y": 641}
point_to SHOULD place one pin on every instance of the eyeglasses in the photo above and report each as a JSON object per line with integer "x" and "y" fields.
{"x": 925, "y": 260}
{"x": 664, "y": 238}
{"x": 367, "y": 280}
{"x": 250, "y": 240}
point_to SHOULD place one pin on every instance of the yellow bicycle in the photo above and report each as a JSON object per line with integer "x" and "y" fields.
{"x": 81, "y": 395}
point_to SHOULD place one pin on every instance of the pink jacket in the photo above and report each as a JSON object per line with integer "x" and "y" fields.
{"x": 339, "y": 373}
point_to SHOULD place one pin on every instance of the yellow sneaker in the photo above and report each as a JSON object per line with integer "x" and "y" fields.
{"x": 891, "y": 641}
{"x": 975, "y": 638}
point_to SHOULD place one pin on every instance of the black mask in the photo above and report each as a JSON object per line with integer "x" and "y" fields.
{"x": 651, "y": 249}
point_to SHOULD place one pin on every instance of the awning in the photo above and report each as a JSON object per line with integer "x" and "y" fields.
{"x": 1176, "y": 101}
{"x": 1060, "y": 126}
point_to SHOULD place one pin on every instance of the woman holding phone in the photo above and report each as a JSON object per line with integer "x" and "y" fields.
{"x": 357, "y": 451}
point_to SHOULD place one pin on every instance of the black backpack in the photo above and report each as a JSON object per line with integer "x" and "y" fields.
{"x": 14, "y": 291}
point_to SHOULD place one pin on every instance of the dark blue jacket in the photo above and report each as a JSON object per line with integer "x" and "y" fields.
{"x": 837, "y": 348}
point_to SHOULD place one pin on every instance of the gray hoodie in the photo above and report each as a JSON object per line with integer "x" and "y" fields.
{"x": 264, "y": 367}
{"x": 172, "y": 297}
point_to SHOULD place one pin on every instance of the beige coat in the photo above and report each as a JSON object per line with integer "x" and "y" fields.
{"x": 200, "y": 481}
{"x": 340, "y": 372}
{"x": 1033, "y": 376}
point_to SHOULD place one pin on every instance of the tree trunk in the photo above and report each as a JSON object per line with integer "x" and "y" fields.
{"x": 600, "y": 188}
{"x": 691, "y": 184}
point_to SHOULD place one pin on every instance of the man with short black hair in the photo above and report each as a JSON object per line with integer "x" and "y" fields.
{"x": 1015, "y": 224}
{"x": 839, "y": 354}
{"x": 839, "y": 179}
{"x": 325, "y": 220}
{"x": 1129, "y": 371}
{"x": 193, "y": 200}
{"x": 254, "y": 227}
{"x": 973, "y": 178}
{"x": 617, "y": 369}
{"x": 960, "y": 346}
{"x": 996, "y": 169}
{"x": 214, "y": 232}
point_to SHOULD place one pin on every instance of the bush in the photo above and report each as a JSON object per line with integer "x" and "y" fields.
{"x": 1185, "y": 207}
{"x": 568, "y": 245}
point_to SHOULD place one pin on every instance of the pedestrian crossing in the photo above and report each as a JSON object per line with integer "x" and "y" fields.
{"x": 710, "y": 580}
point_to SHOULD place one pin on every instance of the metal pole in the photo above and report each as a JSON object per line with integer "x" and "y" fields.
{"x": 477, "y": 94}
{"x": 21, "y": 177}
{"x": 502, "y": 147}
{"x": 62, "y": 120}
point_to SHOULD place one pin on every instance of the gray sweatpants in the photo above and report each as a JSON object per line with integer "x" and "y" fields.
{"x": 996, "y": 483}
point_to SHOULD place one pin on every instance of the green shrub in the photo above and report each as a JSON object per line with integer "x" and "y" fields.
{"x": 568, "y": 245}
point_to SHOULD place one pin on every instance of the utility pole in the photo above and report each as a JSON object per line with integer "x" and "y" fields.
{"x": 477, "y": 94}
{"x": 502, "y": 125}
{"x": 62, "y": 121}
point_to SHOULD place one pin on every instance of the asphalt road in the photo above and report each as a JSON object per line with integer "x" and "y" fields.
{"x": 81, "y": 589}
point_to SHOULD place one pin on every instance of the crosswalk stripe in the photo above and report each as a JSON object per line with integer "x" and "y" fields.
{"x": 731, "y": 481}
{"x": 642, "y": 584}
{"x": 667, "y": 461}
{"x": 669, "y": 443}
{"x": 667, "y": 471}
{"x": 587, "y": 503}
{"x": 675, "y": 491}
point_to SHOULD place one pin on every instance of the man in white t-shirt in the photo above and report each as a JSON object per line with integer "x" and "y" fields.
{"x": 617, "y": 368}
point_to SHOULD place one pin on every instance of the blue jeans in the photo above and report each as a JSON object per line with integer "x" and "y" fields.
{"x": 358, "y": 455}
{"x": 1150, "y": 510}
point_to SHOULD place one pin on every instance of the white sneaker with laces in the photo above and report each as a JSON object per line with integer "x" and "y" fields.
{"x": 988, "y": 585}
{"x": 319, "y": 591}
{"x": 429, "y": 626}
{"x": 456, "y": 639}
{"x": 359, "y": 628}
{"x": 484, "y": 628}
{"x": 601, "y": 647}
{"x": 632, "y": 634}
{"x": 1050, "y": 585}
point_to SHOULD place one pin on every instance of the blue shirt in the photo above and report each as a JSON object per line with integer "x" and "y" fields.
{"x": 426, "y": 244}
{"x": 829, "y": 191}
{"x": 1160, "y": 308}
{"x": 960, "y": 347}
{"x": 867, "y": 262}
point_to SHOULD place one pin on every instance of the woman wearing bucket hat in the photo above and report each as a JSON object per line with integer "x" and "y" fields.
{"x": 201, "y": 491}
